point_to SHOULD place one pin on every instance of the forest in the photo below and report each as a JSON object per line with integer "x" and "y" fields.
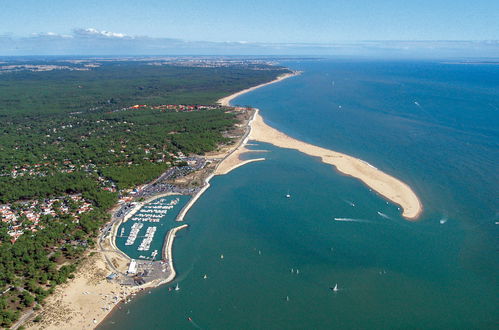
{"x": 72, "y": 132}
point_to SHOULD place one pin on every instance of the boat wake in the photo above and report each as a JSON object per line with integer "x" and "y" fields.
{"x": 194, "y": 324}
{"x": 381, "y": 214}
{"x": 352, "y": 220}
{"x": 416, "y": 103}
{"x": 352, "y": 204}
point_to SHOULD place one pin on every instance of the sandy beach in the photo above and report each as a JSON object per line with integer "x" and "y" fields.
{"x": 230, "y": 160}
{"x": 84, "y": 301}
{"x": 233, "y": 159}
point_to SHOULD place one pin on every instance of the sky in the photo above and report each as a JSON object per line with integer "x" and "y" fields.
{"x": 251, "y": 21}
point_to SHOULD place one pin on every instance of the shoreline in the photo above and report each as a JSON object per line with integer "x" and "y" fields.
{"x": 72, "y": 307}
{"x": 66, "y": 299}
{"x": 89, "y": 299}
{"x": 234, "y": 153}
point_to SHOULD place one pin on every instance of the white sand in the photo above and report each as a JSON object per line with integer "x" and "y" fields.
{"x": 86, "y": 300}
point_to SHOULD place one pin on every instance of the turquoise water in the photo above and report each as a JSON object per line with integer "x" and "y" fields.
{"x": 163, "y": 224}
{"x": 440, "y": 272}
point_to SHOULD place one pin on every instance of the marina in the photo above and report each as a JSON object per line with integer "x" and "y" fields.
{"x": 133, "y": 233}
{"x": 155, "y": 211}
{"x": 146, "y": 243}
{"x": 141, "y": 235}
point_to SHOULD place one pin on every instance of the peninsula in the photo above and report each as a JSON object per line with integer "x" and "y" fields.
{"x": 387, "y": 186}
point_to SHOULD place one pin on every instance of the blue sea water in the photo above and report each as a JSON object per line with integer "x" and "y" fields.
{"x": 433, "y": 125}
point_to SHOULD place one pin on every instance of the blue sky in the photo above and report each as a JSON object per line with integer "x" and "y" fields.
{"x": 319, "y": 21}
{"x": 417, "y": 28}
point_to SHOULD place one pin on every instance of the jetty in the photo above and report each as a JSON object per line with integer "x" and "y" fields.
{"x": 168, "y": 252}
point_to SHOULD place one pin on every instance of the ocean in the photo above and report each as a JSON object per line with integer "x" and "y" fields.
{"x": 434, "y": 125}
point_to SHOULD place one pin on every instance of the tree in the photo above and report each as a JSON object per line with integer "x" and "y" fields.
{"x": 27, "y": 299}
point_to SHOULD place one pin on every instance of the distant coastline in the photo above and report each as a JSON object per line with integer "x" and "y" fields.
{"x": 225, "y": 101}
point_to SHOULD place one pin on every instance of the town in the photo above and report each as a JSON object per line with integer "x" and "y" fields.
{"x": 25, "y": 216}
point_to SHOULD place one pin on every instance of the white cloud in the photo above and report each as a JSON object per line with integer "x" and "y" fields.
{"x": 99, "y": 33}
{"x": 92, "y": 41}
{"x": 51, "y": 34}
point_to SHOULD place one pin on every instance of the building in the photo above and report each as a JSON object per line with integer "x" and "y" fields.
{"x": 132, "y": 268}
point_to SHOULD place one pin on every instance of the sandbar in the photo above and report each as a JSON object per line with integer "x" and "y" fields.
{"x": 387, "y": 186}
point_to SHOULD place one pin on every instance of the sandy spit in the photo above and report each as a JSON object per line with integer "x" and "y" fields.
{"x": 389, "y": 187}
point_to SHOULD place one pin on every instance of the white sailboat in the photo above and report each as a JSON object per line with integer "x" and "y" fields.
{"x": 335, "y": 289}
{"x": 221, "y": 256}
{"x": 177, "y": 287}
{"x": 205, "y": 276}
{"x": 288, "y": 195}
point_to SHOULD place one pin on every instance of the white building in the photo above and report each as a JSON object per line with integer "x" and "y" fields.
{"x": 132, "y": 268}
